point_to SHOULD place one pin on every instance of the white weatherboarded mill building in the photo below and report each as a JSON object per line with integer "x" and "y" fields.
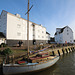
{"x": 14, "y": 27}
{"x": 64, "y": 35}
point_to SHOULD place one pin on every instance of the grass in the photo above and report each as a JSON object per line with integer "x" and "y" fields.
{"x": 19, "y": 52}
{"x": 16, "y": 53}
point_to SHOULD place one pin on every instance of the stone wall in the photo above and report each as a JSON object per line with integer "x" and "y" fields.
{"x": 61, "y": 51}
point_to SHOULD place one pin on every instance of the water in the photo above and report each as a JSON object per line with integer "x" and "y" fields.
{"x": 65, "y": 66}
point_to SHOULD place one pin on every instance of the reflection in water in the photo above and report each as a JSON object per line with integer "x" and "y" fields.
{"x": 65, "y": 66}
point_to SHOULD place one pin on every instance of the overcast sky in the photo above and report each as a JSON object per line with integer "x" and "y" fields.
{"x": 51, "y": 14}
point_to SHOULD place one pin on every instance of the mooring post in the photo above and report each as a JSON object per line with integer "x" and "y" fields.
{"x": 66, "y": 50}
{"x": 69, "y": 49}
{"x": 53, "y": 53}
{"x": 73, "y": 48}
{"x": 59, "y": 52}
{"x": 63, "y": 51}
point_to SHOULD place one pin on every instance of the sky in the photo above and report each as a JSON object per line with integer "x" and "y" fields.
{"x": 51, "y": 14}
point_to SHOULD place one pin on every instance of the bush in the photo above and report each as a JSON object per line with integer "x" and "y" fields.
{"x": 7, "y": 51}
{"x": 0, "y": 51}
{"x": 3, "y": 45}
{"x": 0, "y": 46}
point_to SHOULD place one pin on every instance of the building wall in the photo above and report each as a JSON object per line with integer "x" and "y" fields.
{"x": 15, "y": 29}
{"x": 59, "y": 38}
{"x": 16, "y": 42}
{"x": 68, "y": 35}
{"x": 65, "y": 36}
{"x": 40, "y": 32}
{"x": 47, "y": 38}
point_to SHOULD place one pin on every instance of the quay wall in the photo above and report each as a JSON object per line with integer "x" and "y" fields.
{"x": 61, "y": 51}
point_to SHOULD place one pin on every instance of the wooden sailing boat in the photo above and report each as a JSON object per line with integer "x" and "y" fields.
{"x": 39, "y": 62}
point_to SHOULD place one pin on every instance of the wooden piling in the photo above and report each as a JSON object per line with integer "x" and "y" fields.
{"x": 66, "y": 50}
{"x": 53, "y": 53}
{"x": 58, "y": 52}
{"x": 63, "y": 51}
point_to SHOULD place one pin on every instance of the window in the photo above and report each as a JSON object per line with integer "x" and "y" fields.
{"x": 42, "y": 31}
{"x": 33, "y": 35}
{"x": 42, "y": 36}
{"x": 70, "y": 37}
{"x": 18, "y": 26}
{"x": 38, "y": 36}
{"x": 18, "y": 33}
{"x": 67, "y": 33}
{"x": 33, "y": 29}
{"x": 67, "y": 30}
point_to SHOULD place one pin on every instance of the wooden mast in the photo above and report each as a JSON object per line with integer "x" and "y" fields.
{"x": 28, "y": 31}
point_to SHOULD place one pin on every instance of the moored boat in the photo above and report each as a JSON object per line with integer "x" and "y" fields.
{"x": 29, "y": 67}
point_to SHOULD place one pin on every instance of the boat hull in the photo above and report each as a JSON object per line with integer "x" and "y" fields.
{"x": 16, "y": 69}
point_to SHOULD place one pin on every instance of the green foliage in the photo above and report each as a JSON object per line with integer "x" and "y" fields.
{"x": 7, "y": 51}
{"x": 0, "y": 46}
{"x": 0, "y": 51}
{"x": 3, "y": 45}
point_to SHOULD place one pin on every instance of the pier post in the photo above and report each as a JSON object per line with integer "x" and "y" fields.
{"x": 66, "y": 50}
{"x": 59, "y": 52}
{"x": 69, "y": 49}
{"x": 73, "y": 48}
{"x": 63, "y": 51}
{"x": 53, "y": 53}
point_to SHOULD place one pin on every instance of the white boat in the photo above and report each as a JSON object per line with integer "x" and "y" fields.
{"x": 9, "y": 69}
